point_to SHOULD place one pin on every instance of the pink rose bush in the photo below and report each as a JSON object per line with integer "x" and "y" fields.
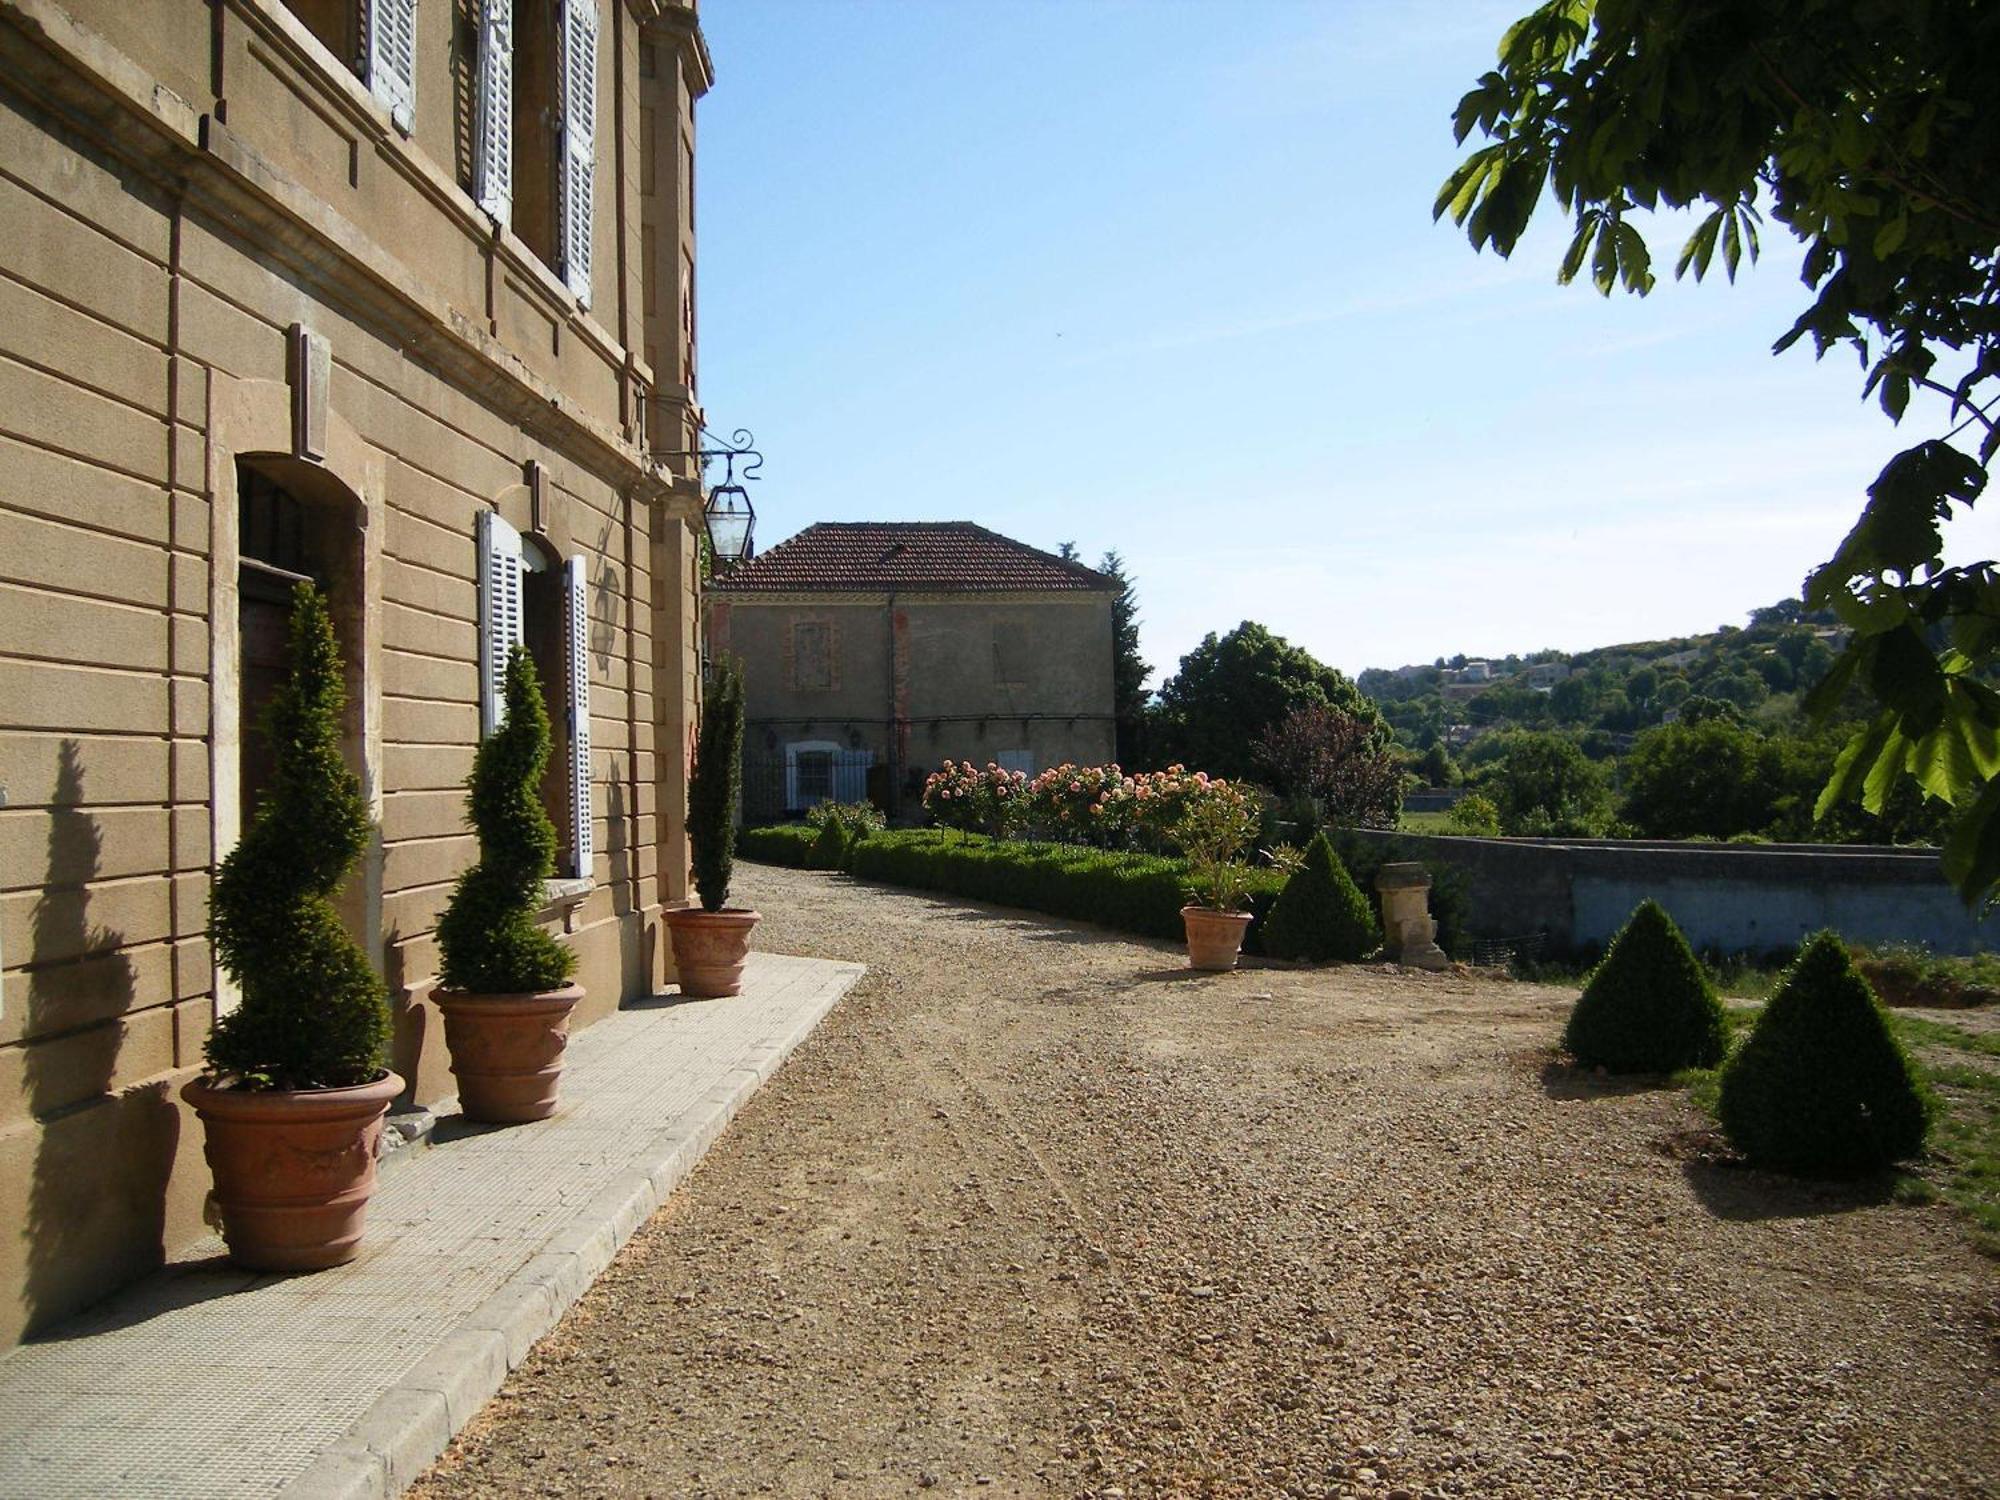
{"x": 1101, "y": 806}
{"x": 960, "y": 795}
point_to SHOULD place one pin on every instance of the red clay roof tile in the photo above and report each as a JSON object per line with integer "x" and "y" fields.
{"x": 924, "y": 556}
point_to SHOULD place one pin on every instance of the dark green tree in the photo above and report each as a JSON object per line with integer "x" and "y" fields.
{"x": 1128, "y": 668}
{"x": 313, "y": 1014}
{"x": 1436, "y": 767}
{"x": 715, "y": 782}
{"x": 1868, "y": 131}
{"x": 1822, "y": 1087}
{"x": 1321, "y": 914}
{"x": 1231, "y": 687}
{"x": 1692, "y": 780}
{"x": 489, "y": 942}
{"x": 1648, "y": 1007}
{"x": 1543, "y": 785}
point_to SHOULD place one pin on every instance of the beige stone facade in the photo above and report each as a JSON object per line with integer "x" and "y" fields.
{"x": 291, "y": 288}
{"x": 968, "y": 646}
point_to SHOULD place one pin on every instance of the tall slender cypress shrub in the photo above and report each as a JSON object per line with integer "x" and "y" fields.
{"x": 489, "y": 942}
{"x": 313, "y": 1014}
{"x": 714, "y": 783}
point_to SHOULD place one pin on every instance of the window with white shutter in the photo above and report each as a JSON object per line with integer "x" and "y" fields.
{"x": 392, "y": 58}
{"x": 576, "y": 616}
{"x": 493, "y": 118}
{"x": 579, "y": 142}
{"x": 499, "y": 614}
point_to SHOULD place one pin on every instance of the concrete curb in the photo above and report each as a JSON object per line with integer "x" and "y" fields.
{"x": 410, "y": 1425}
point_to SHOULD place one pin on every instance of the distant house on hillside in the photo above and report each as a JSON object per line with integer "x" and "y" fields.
{"x": 873, "y": 651}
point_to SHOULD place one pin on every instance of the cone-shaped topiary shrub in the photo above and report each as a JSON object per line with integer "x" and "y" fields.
{"x": 1822, "y": 1087}
{"x": 829, "y": 850}
{"x": 488, "y": 940}
{"x": 1321, "y": 913}
{"x": 313, "y": 1014}
{"x": 712, "y": 787}
{"x": 1649, "y": 1006}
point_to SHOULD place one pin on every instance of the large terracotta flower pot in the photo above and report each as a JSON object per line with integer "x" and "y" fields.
{"x": 1214, "y": 938}
{"x": 709, "y": 949}
{"x": 293, "y": 1169}
{"x": 507, "y": 1051}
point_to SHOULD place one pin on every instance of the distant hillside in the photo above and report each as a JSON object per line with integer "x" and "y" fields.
{"x": 1609, "y": 693}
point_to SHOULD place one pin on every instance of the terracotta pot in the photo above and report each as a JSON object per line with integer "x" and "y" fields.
{"x": 507, "y": 1051}
{"x": 709, "y": 949}
{"x": 293, "y": 1169}
{"x": 1214, "y": 938}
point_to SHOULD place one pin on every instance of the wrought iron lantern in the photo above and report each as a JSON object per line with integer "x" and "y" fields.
{"x": 727, "y": 514}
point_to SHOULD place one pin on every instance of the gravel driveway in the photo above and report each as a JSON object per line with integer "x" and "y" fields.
{"x": 1038, "y": 1212}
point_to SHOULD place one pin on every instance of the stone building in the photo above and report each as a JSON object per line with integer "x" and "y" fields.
{"x": 393, "y": 295}
{"x": 872, "y": 651}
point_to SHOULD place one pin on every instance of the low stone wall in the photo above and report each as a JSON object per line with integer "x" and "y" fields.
{"x": 1726, "y": 897}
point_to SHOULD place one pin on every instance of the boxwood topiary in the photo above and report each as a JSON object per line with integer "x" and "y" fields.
{"x": 1821, "y": 1087}
{"x": 313, "y": 1014}
{"x": 1649, "y": 1006}
{"x": 489, "y": 942}
{"x": 713, "y": 784}
{"x": 1321, "y": 913}
{"x": 829, "y": 850}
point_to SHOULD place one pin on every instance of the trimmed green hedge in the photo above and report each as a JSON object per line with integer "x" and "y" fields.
{"x": 1136, "y": 893}
{"x": 780, "y": 844}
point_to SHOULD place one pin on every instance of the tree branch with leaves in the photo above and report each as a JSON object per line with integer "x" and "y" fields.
{"x": 1869, "y": 133}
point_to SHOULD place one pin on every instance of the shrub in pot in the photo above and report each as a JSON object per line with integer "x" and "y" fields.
{"x": 503, "y": 982}
{"x": 296, "y": 1085}
{"x": 1321, "y": 914}
{"x": 1649, "y": 1006}
{"x": 712, "y": 940}
{"x": 1822, "y": 1088}
{"x": 1213, "y": 831}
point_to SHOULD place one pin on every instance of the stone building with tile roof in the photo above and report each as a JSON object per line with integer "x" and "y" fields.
{"x": 875, "y": 650}
{"x": 393, "y": 295}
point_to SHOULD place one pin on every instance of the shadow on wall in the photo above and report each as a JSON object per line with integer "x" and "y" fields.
{"x": 97, "y": 1200}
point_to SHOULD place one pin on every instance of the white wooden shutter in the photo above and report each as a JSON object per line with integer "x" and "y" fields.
{"x": 392, "y": 58}
{"x": 576, "y": 615}
{"x": 579, "y": 141}
{"x": 493, "y": 119}
{"x": 499, "y": 614}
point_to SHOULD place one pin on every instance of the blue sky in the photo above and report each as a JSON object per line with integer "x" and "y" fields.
{"x": 1161, "y": 276}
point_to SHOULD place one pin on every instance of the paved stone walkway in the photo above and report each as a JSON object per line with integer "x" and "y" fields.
{"x": 206, "y": 1381}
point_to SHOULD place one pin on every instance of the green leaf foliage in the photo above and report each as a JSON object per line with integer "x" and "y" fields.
{"x": 1866, "y": 129}
{"x": 829, "y": 850}
{"x": 788, "y": 844}
{"x": 1232, "y": 687}
{"x": 313, "y": 1014}
{"x": 1821, "y": 1087}
{"x": 1649, "y": 1006}
{"x": 489, "y": 942}
{"x": 1321, "y": 914}
{"x": 715, "y": 783}
{"x": 1136, "y": 893}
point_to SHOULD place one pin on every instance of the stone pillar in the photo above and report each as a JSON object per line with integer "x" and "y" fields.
{"x": 1409, "y": 934}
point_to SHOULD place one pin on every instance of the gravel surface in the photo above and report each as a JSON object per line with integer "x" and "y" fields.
{"x": 1036, "y": 1211}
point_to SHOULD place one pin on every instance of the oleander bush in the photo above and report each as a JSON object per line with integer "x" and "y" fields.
{"x": 1321, "y": 914}
{"x": 313, "y": 1013}
{"x": 1649, "y": 1006}
{"x": 489, "y": 942}
{"x": 1822, "y": 1088}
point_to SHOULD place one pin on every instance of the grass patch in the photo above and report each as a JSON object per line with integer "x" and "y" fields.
{"x": 1424, "y": 822}
{"x": 1962, "y": 1166}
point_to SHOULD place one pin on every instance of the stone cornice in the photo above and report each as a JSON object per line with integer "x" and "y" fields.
{"x": 100, "y": 91}
{"x": 679, "y": 19}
